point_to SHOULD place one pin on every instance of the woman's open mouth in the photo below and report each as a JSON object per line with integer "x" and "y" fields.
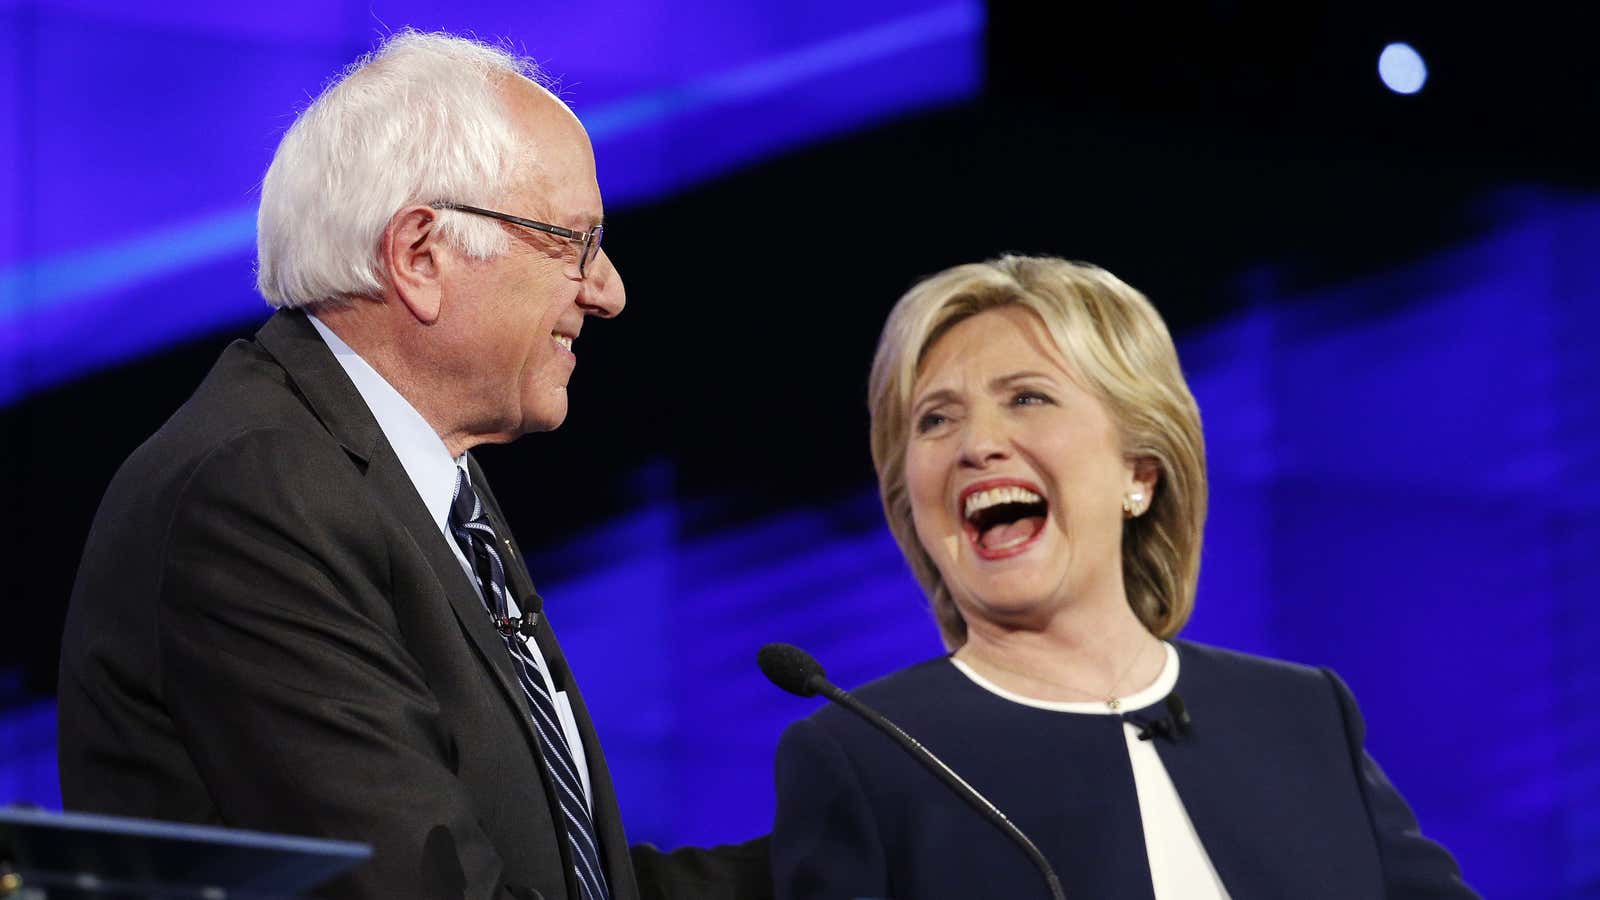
{"x": 1003, "y": 517}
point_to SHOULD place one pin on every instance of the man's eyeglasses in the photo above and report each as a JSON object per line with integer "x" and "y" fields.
{"x": 588, "y": 241}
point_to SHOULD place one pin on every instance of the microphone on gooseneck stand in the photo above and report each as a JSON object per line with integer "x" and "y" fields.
{"x": 794, "y": 670}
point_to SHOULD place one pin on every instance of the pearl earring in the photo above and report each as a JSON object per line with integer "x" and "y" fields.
{"x": 1133, "y": 504}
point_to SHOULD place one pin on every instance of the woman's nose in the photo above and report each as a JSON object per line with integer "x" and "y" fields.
{"x": 983, "y": 441}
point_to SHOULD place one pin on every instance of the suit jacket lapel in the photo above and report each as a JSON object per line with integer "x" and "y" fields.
{"x": 319, "y": 378}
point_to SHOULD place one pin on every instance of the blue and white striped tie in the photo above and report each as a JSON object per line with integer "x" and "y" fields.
{"x": 470, "y": 525}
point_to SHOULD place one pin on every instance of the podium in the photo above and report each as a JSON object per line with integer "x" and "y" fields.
{"x": 68, "y": 856}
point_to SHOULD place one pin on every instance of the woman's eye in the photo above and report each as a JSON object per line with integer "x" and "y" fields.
{"x": 1030, "y": 398}
{"x": 929, "y": 421}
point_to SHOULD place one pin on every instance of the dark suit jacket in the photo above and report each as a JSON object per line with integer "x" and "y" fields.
{"x": 1273, "y": 775}
{"x": 268, "y": 631}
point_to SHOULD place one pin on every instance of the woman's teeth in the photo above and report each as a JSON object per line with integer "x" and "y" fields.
{"x": 995, "y": 496}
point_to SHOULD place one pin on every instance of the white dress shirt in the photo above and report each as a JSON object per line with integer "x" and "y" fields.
{"x": 1180, "y": 869}
{"x": 433, "y": 472}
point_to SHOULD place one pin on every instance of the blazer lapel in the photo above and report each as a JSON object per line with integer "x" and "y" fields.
{"x": 1225, "y": 796}
{"x": 1267, "y": 779}
{"x": 294, "y": 342}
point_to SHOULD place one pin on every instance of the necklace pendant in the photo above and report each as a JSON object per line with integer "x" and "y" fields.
{"x": 1113, "y": 704}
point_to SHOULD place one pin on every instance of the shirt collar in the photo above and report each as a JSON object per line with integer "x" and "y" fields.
{"x": 422, "y": 453}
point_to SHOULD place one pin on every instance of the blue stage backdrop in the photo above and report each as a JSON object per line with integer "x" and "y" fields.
{"x": 1401, "y": 489}
{"x": 132, "y": 135}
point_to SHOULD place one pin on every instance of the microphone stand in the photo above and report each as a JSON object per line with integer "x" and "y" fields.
{"x": 955, "y": 782}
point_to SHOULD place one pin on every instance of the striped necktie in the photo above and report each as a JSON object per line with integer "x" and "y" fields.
{"x": 469, "y": 523}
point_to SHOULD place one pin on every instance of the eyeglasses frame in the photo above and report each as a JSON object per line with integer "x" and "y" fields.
{"x": 588, "y": 241}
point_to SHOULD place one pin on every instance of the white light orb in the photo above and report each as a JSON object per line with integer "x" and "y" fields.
{"x": 1402, "y": 69}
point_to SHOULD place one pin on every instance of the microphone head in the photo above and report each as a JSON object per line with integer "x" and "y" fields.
{"x": 791, "y": 668}
{"x": 1179, "y": 712}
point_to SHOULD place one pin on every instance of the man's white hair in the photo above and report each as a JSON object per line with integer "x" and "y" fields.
{"x": 419, "y": 120}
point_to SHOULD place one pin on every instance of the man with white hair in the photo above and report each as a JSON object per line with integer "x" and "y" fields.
{"x": 300, "y": 608}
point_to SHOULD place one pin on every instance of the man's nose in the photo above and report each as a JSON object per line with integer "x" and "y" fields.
{"x": 602, "y": 293}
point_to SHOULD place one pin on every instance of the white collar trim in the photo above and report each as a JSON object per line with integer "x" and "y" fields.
{"x": 1155, "y": 693}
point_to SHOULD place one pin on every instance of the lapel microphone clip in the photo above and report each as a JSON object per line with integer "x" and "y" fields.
{"x": 1172, "y": 726}
{"x": 524, "y": 625}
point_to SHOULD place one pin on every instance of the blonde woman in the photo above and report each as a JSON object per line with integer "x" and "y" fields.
{"x": 1042, "y": 466}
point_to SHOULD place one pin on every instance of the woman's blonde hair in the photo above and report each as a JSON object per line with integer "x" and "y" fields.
{"x": 1117, "y": 344}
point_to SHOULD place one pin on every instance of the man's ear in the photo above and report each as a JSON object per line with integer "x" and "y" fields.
{"x": 411, "y": 249}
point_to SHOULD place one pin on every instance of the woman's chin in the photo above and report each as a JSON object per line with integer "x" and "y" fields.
{"x": 1009, "y": 602}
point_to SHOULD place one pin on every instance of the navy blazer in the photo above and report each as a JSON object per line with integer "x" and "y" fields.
{"x": 1273, "y": 775}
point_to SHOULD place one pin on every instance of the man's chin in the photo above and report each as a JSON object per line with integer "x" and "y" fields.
{"x": 546, "y": 416}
